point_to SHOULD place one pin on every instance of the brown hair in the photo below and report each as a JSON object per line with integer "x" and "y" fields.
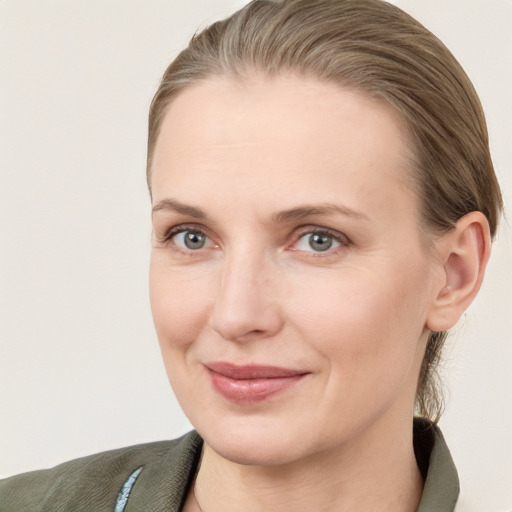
{"x": 379, "y": 50}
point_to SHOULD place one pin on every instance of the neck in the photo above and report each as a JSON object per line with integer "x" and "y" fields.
{"x": 376, "y": 472}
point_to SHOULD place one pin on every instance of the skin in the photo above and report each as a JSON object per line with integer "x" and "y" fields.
{"x": 355, "y": 318}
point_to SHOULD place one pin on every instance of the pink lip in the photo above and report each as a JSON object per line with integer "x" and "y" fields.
{"x": 251, "y": 383}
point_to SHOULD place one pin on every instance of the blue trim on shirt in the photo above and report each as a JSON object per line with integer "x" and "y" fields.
{"x": 124, "y": 494}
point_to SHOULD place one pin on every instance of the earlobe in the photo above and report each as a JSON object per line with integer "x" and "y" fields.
{"x": 465, "y": 253}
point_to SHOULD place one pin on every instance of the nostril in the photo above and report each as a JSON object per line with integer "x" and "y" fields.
{"x": 247, "y": 325}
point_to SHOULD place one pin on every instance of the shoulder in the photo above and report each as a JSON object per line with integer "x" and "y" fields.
{"x": 94, "y": 482}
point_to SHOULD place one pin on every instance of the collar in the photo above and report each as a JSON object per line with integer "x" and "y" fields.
{"x": 441, "y": 488}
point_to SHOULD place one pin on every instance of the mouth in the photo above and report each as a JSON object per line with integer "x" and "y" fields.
{"x": 251, "y": 383}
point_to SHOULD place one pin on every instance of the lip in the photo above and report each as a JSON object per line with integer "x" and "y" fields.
{"x": 251, "y": 383}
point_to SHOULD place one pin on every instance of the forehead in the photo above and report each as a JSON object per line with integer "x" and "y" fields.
{"x": 304, "y": 136}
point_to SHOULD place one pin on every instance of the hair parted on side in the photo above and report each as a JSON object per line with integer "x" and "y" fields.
{"x": 377, "y": 49}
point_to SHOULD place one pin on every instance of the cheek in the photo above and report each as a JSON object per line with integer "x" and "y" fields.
{"x": 366, "y": 325}
{"x": 179, "y": 303}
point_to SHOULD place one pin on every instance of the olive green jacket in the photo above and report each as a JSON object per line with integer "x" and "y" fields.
{"x": 156, "y": 477}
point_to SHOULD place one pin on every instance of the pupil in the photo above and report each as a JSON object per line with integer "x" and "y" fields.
{"x": 194, "y": 240}
{"x": 320, "y": 242}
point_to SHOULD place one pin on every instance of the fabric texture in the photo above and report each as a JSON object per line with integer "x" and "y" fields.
{"x": 156, "y": 477}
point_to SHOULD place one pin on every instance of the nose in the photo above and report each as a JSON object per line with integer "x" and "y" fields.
{"x": 247, "y": 305}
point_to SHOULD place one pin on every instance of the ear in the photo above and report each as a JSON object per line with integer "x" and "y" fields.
{"x": 464, "y": 253}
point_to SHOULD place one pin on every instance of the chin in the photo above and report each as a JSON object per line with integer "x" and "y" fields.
{"x": 257, "y": 444}
{"x": 251, "y": 453}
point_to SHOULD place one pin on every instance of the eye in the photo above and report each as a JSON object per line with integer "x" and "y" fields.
{"x": 320, "y": 241}
{"x": 189, "y": 239}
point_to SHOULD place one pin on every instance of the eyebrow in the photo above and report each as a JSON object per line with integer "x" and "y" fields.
{"x": 184, "y": 209}
{"x": 302, "y": 212}
{"x": 297, "y": 213}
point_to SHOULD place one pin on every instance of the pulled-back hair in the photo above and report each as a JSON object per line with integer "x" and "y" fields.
{"x": 377, "y": 49}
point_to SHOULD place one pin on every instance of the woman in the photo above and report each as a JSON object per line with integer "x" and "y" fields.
{"x": 323, "y": 202}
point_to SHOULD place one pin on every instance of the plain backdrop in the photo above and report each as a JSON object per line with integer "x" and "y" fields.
{"x": 80, "y": 369}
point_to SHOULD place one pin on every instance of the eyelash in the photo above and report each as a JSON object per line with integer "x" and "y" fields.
{"x": 342, "y": 239}
{"x": 176, "y": 230}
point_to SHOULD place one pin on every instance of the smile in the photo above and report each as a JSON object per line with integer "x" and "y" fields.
{"x": 251, "y": 383}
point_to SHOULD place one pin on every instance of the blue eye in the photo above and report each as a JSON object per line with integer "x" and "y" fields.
{"x": 190, "y": 239}
{"x": 317, "y": 242}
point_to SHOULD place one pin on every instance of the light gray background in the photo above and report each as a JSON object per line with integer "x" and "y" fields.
{"x": 80, "y": 369}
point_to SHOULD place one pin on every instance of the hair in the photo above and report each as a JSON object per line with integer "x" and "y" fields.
{"x": 378, "y": 50}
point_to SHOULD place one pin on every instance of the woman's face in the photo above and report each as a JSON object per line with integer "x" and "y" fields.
{"x": 290, "y": 284}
